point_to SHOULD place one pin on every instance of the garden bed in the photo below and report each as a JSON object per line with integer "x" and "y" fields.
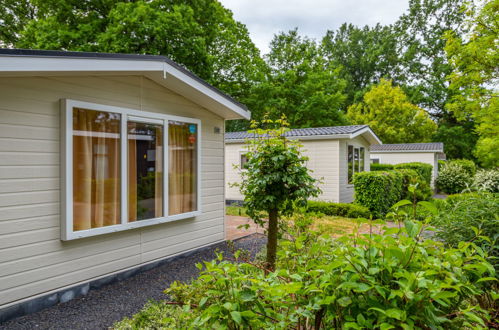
{"x": 103, "y": 307}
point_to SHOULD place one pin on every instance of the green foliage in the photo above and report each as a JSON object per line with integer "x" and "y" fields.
{"x": 157, "y": 315}
{"x": 387, "y": 110}
{"x": 339, "y": 209}
{"x": 378, "y": 190}
{"x": 474, "y": 57}
{"x": 365, "y": 55}
{"x": 410, "y": 177}
{"x": 466, "y": 164}
{"x": 299, "y": 85}
{"x": 453, "y": 178}
{"x": 235, "y": 210}
{"x": 486, "y": 180}
{"x": 459, "y": 137}
{"x": 462, "y": 215}
{"x": 381, "y": 167}
{"x": 424, "y": 170}
{"x": 386, "y": 281}
{"x": 276, "y": 179}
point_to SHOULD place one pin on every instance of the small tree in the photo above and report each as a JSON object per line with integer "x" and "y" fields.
{"x": 275, "y": 180}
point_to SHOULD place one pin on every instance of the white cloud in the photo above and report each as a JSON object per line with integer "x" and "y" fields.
{"x": 264, "y": 18}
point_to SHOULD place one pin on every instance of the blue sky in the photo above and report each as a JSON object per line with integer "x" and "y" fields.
{"x": 264, "y": 18}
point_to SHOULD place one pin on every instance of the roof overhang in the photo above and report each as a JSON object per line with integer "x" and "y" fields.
{"x": 365, "y": 132}
{"x": 156, "y": 68}
{"x": 403, "y": 151}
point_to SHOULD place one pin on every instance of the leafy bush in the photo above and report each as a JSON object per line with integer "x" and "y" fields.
{"x": 339, "y": 209}
{"x": 378, "y": 190}
{"x": 460, "y": 213}
{"x": 486, "y": 180}
{"x": 424, "y": 170}
{"x": 453, "y": 178}
{"x": 382, "y": 281}
{"x": 381, "y": 167}
{"x": 468, "y": 165}
{"x": 411, "y": 177}
{"x": 441, "y": 164}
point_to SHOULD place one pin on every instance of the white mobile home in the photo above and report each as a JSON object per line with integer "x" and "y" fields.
{"x": 108, "y": 163}
{"x": 429, "y": 153}
{"x": 335, "y": 154}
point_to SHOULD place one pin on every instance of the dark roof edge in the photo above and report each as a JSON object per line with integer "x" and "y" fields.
{"x": 117, "y": 56}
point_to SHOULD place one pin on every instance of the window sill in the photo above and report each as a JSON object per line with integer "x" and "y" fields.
{"x": 127, "y": 226}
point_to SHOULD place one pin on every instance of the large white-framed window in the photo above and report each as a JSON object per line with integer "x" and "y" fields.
{"x": 124, "y": 168}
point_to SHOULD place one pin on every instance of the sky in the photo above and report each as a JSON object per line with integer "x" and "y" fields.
{"x": 264, "y": 18}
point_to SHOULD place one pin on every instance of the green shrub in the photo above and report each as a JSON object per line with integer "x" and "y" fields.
{"x": 486, "y": 180}
{"x": 392, "y": 280}
{"x": 411, "y": 177}
{"x": 468, "y": 165}
{"x": 441, "y": 164}
{"x": 378, "y": 191}
{"x": 424, "y": 170}
{"x": 461, "y": 212}
{"x": 381, "y": 167}
{"x": 453, "y": 178}
{"x": 339, "y": 209}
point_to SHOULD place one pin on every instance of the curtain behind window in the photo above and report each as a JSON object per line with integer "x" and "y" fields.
{"x": 182, "y": 172}
{"x": 96, "y": 169}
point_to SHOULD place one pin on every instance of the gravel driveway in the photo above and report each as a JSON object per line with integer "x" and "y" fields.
{"x": 101, "y": 308}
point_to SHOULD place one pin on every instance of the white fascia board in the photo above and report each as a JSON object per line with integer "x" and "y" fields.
{"x": 301, "y": 138}
{"x": 207, "y": 91}
{"x": 373, "y": 138}
{"x": 47, "y": 64}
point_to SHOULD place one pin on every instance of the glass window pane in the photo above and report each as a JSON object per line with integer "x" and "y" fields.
{"x": 96, "y": 169}
{"x": 362, "y": 159}
{"x": 356, "y": 160}
{"x": 145, "y": 171}
{"x": 182, "y": 169}
{"x": 244, "y": 161}
{"x": 350, "y": 164}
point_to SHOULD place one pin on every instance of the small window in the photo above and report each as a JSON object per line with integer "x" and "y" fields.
{"x": 374, "y": 160}
{"x": 355, "y": 161}
{"x": 114, "y": 165}
{"x": 244, "y": 161}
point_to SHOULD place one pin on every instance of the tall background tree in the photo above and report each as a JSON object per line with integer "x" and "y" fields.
{"x": 388, "y": 111}
{"x": 475, "y": 77}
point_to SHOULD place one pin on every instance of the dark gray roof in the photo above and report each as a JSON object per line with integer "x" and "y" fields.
{"x": 136, "y": 57}
{"x": 432, "y": 146}
{"x": 299, "y": 132}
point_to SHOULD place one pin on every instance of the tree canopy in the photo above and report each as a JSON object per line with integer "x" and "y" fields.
{"x": 388, "y": 111}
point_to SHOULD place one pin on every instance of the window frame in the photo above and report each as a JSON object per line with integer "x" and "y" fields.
{"x": 359, "y": 165}
{"x": 127, "y": 114}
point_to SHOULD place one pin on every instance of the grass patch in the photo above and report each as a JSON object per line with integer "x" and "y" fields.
{"x": 236, "y": 210}
{"x": 338, "y": 226}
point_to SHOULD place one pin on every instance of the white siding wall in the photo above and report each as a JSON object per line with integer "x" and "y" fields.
{"x": 33, "y": 259}
{"x": 323, "y": 162}
{"x": 409, "y": 157}
{"x": 346, "y": 189}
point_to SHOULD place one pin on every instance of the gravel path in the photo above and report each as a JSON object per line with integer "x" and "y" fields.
{"x": 101, "y": 308}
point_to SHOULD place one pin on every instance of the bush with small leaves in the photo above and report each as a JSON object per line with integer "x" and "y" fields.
{"x": 338, "y": 209}
{"x": 381, "y": 167}
{"x": 453, "y": 178}
{"x": 468, "y": 165}
{"x": 390, "y": 280}
{"x": 486, "y": 180}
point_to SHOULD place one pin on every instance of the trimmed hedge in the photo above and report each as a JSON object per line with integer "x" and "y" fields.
{"x": 381, "y": 167}
{"x": 378, "y": 191}
{"x": 423, "y": 190}
{"x": 339, "y": 209}
{"x": 424, "y": 170}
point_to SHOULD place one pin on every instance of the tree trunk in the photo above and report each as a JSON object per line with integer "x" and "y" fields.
{"x": 272, "y": 239}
